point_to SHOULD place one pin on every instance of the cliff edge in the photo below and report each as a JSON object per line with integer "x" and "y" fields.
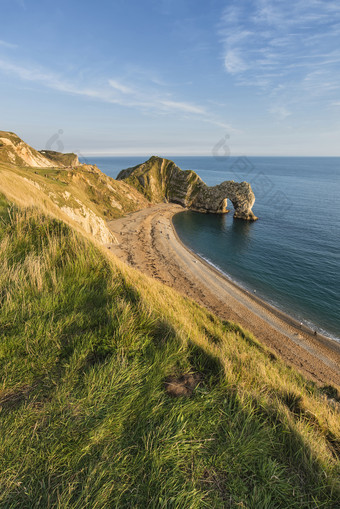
{"x": 160, "y": 180}
{"x": 76, "y": 193}
{"x": 14, "y": 150}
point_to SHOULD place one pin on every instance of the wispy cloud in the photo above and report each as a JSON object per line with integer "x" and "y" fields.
{"x": 234, "y": 63}
{"x": 284, "y": 48}
{"x": 183, "y": 106}
{"x": 142, "y": 98}
{"x": 149, "y": 98}
{"x": 47, "y": 79}
{"x": 120, "y": 87}
{"x": 8, "y": 45}
{"x": 280, "y": 112}
{"x": 153, "y": 98}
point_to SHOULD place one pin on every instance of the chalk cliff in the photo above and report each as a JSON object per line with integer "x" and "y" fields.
{"x": 160, "y": 179}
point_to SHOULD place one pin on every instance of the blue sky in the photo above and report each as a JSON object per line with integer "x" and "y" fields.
{"x": 172, "y": 77}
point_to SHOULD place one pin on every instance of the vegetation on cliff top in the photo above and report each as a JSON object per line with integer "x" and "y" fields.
{"x": 82, "y": 195}
{"x": 93, "y": 357}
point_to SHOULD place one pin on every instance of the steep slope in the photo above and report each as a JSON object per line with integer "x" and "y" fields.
{"x": 80, "y": 194}
{"x": 117, "y": 392}
{"x": 15, "y": 151}
{"x": 60, "y": 159}
{"x": 160, "y": 179}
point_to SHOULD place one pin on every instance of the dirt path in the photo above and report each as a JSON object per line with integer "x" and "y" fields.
{"x": 149, "y": 243}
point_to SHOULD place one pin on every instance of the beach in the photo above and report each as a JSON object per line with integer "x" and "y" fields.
{"x": 149, "y": 243}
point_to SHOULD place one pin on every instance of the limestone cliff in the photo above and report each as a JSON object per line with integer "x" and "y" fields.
{"x": 161, "y": 180}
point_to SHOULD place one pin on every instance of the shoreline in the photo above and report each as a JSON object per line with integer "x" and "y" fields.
{"x": 150, "y": 243}
{"x": 302, "y": 326}
{"x": 329, "y": 342}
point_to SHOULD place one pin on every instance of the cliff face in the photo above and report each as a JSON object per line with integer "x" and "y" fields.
{"x": 14, "y": 150}
{"x": 161, "y": 180}
{"x": 67, "y": 189}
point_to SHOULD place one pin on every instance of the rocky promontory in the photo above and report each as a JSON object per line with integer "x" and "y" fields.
{"x": 160, "y": 180}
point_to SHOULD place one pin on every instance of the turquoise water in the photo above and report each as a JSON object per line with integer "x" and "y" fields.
{"x": 291, "y": 255}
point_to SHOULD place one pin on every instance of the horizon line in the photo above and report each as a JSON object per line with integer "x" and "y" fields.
{"x": 82, "y": 155}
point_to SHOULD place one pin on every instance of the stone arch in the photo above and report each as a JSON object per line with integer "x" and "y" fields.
{"x": 215, "y": 199}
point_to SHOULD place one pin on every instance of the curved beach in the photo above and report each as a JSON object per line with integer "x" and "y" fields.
{"x": 148, "y": 242}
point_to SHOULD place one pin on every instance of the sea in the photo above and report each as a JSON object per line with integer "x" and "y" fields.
{"x": 290, "y": 257}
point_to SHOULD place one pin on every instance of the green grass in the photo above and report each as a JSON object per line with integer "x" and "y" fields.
{"x": 86, "y": 345}
{"x": 104, "y": 196}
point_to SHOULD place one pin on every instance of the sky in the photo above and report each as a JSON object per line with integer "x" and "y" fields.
{"x": 172, "y": 77}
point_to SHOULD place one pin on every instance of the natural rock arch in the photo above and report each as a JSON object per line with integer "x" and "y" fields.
{"x": 215, "y": 199}
{"x": 160, "y": 179}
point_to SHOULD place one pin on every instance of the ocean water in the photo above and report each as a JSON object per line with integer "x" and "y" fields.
{"x": 291, "y": 255}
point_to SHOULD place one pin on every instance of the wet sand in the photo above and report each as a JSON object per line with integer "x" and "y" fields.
{"x": 148, "y": 242}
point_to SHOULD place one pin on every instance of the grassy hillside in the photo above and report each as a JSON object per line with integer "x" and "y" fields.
{"x": 58, "y": 184}
{"x": 83, "y": 196}
{"x": 61, "y": 159}
{"x": 14, "y": 150}
{"x": 117, "y": 392}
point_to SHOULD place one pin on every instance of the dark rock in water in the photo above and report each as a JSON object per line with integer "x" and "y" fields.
{"x": 160, "y": 179}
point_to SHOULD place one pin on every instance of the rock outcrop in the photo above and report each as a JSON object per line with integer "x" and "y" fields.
{"x": 90, "y": 222}
{"x": 161, "y": 180}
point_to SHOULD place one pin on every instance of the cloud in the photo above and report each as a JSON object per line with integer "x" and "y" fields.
{"x": 280, "y": 112}
{"x": 8, "y": 45}
{"x": 48, "y": 79}
{"x": 234, "y": 63}
{"x": 182, "y": 106}
{"x": 148, "y": 99}
{"x": 320, "y": 81}
{"x": 281, "y": 47}
{"x": 152, "y": 99}
{"x": 120, "y": 87}
{"x": 141, "y": 97}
